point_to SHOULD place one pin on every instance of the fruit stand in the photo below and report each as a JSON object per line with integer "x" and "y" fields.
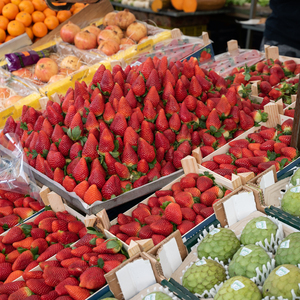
{"x": 135, "y": 163}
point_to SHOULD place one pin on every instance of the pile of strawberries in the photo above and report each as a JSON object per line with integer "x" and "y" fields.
{"x": 281, "y": 90}
{"x": 128, "y": 128}
{"x": 76, "y": 272}
{"x": 256, "y": 153}
{"x": 15, "y": 207}
{"x": 290, "y": 112}
{"x": 188, "y": 203}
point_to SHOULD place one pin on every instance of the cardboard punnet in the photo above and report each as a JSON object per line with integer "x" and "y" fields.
{"x": 116, "y": 278}
{"x": 190, "y": 166}
{"x": 274, "y": 119}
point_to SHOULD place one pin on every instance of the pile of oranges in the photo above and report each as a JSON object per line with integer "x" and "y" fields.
{"x": 31, "y": 16}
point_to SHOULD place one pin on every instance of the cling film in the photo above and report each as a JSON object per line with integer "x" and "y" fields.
{"x": 4, "y": 114}
{"x": 146, "y": 46}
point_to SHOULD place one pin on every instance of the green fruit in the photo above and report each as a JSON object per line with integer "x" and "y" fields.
{"x": 203, "y": 275}
{"x": 221, "y": 243}
{"x": 246, "y": 260}
{"x": 238, "y": 288}
{"x": 288, "y": 250}
{"x": 157, "y": 296}
{"x": 257, "y": 230}
{"x": 281, "y": 281}
{"x": 290, "y": 202}
{"x": 295, "y": 177}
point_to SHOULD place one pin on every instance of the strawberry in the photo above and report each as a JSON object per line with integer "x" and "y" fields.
{"x": 141, "y": 181}
{"x": 50, "y": 251}
{"x": 10, "y": 220}
{"x": 175, "y": 122}
{"x": 65, "y": 145}
{"x": 286, "y": 139}
{"x": 138, "y": 86}
{"x": 147, "y": 67}
{"x": 180, "y": 91}
{"x": 122, "y": 171}
{"x": 77, "y": 293}
{"x": 119, "y": 124}
{"x": 161, "y": 121}
{"x": 265, "y": 165}
{"x": 236, "y": 152}
{"x": 53, "y": 116}
{"x": 169, "y": 168}
{"x": 23, "y": 261}
{"x": 60, "y": 288}
{"x": 268, "y": 134}
{"x": 278, "y": 147}
{"x": 184, "y": 199}
{"x": 242, "y": 143}
{"x": 129, "y": 157}
{"x": 15, "y": 234}
{"x": 162, "y": 227}
{"x": 247, "y": 153}
{"x": 124, "y": 108}
{"x": 223, "y": 159}
{"x": 157, "y": 238}
{"x": 110, "y": 246}
{"x": 64, "y": 254}
{"x": 111, "y": 187}
{"x": 97, "y": 105}
{"x": 26, "y": 243}
{"x": 188, "y": 214}
{"x": 11, "y": 287}
{"x": 145, "y": 151}
{"x": 223, "y": 107}
{"x": 187, "y": 182}
{"x": 211, "y": 165}
{"x": 287, "y": 126}
{"x": 153, "y": 81}
{"x": 195, "y": 88}
{"x": 92, "y": 278}
{"x": 246, "y": 122}
{"x": 256, "y": 137}
{"x": 213, "y": 122}
{"x": 77, "y": 268}
{"x": 267, "y": 146}
{"x": 243, "y": 163}
{"x": 6, "y": 269}
{"x": 207, "y": 198}
{"x": 21, "y": 294}
{"x": 173, "y": 213}
{"x": 185, "y": 226}
{"x": 206, "y": 212}
{"x": 197, "y": 207}
{"x": 38, "y": 286}
{"x": 255, "y": 161}
{"x": 32, "y": 275}
{"x": 145, "y": 232}
{"x": 289, "y": 152}
{"x": 54, "y": 275}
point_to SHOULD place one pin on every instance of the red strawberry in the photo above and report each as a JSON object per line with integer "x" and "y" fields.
{"x": 77, "y": 293}
{"x": 92, "y": 278}
{"x": 289, "y": 152}
{"x": 211, "y": 165}
{"x": 110, "y": 246}
{"x": 54, "y": 275}
{"x": 243, "y": 163}
{"x": 242, "y": 143}
{"x": 185, "y": 226}
{"x": 60, "y": 288}
{"x": 246, "y": 122}
{"x": 213, "y": 122}
{"x": 138, "y": 86}
{"x": 267, "y": 146}
{"x": 161, "y": 121}
{"x": 256, "y": 137}
{"x": 111, "y": 187}
{"x": 184, "y": 199}
{"x": 286, "y": 139}
{"x": 180, "y": 91}
{"x": 162, "y": 227}
{"x": 265, "y": 165}
{"x": 206, "y": 212}
{"x": 268, "y": 134}
{"x": 145, "y": 151}
{"x": 50, "y": 251}
{"x": 173, "y": 213}
{"x": 223, "y": 159}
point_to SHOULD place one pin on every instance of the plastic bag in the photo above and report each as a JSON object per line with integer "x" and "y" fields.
{"x": 15, "y": 174}
{"x": 180, "y": 48}
{"x": 224, "y": 63}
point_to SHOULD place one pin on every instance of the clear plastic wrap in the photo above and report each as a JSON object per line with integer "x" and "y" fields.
{"x": 67, "y": 60}
{"x": 180, "y": 48}
{"x": 224, "y": 63}
{"x": 14, "y": 174}
{"x": 10, "y": 87}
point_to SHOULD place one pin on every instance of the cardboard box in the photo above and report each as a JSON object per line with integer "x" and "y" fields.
{"x": 190, "y": 166}
{"x": 274, "y": 119}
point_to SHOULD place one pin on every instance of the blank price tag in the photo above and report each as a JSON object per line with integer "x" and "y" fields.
{"x": 170, "y": 258}
{"x": 135, "y": 277}
{"x": 267, "y": 180}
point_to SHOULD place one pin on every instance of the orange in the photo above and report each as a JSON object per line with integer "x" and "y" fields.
{"x": 24, "y": 18}
{"x": 6, "y": 1}
{"x": 63, "y": 15}
{"x": 17, "y": 2}
{"x": 77, "y": 10}
{"x": 1, "y": 4}
{"x": 15, "y": 28}
{"x": 3, "y": 22}
{"x": 39, "y": 29}
{"x": 49, "y": 12}
{"x": 39, "y": 5}
{"x": 51, "y": 22}
{"x": 10, "y": 11}
{"x": 38, "y": 16}
{"x": 9, "y": 37}
{"x": 29, "y": 32}
{"x": 26, "y": 6}
{"x": 2, "y": 35}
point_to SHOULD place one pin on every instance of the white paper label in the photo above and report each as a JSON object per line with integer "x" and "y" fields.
{"x": 214, "y": 231}
{"x": 296, "y": 189}
{"x": 237, "y": 285}
{"x": 282, "y": 271}
{"x": 201, "y": 262}
{"x": 245, "y": 251}
{"x": 261, "y": 225}
{"x": 150, "y": 297}
{"x": 285, "y": 244}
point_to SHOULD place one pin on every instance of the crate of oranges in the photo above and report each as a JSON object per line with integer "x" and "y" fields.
{"x": 31, "y": 16}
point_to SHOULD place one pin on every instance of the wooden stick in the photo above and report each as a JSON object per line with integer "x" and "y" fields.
{"x": 233, "y": 47}
{"x": 102, "y": 215}
{"x": 296, "y": 127}
{"x": 280, "y": 106}
{"x": 273, "y": 53}
{"x": 44, "y": 194}
{"x": 273, "y": 115}
{"x": 189, "y": 165}
{"x": 56, "y": 202}
{"x": 205, "y": 38}
{"x": 198, "y": 155}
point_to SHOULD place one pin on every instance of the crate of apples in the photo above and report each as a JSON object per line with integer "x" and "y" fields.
{"x": 120, "y": 30}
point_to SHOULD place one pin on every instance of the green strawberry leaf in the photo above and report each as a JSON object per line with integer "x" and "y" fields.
{"x": 154, "y": 178}
{"x": 112, "y": 244}
{"x": 21, "y": 250}
{"x": 48, "y": 207}
{"x": 196, "y": 199}
{"x": 124, "y": 252}
{"x": 29, "y": 132}
{"x": 165, "y": 204}
{"x": 100, "y": 263}
{"x": 271, "y": 155}
{"x": 24, "y": 126}
{"x": 3, "y": 251}
{"x": 116, "y": 143}
{"x": 282, "y": 163}
{"x": 93, "y": 242}
{"x": 35, "y": 250}
{"x": 45, "y": 153}
{"x": 114, "y": 154}
{"x": 34, "y": 154}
